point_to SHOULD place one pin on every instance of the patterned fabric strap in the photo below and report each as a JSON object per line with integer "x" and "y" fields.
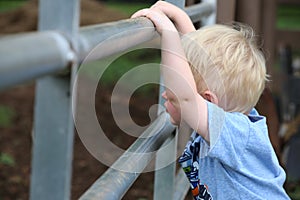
{"x": 189, "y": 162}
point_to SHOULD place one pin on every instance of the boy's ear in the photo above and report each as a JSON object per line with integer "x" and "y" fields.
{"x": 211, "y": 97}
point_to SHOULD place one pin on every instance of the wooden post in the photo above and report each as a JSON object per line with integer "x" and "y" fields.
{"x": 226, "y": 11}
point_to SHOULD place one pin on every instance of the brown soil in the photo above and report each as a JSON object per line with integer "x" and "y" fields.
{"x": 17, "y": 142}
{"x": 24, "y": 19}
{"x": 16, "y": 139}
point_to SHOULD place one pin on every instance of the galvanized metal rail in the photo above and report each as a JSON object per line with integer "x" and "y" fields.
{"x": 24, "y": 56}
{"x": 119, "y": 177}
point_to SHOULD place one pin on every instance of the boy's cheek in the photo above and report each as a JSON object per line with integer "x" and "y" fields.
{"x": 175, "y": 115}
{"x": 173, "y": 110}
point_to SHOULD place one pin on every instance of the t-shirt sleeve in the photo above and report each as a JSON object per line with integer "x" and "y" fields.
{"x": 229, "y": 133}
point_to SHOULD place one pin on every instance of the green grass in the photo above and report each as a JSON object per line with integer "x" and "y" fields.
{"x": 7, "y": 5}
{"x": 123, "y": 64}
{"x": 288, "y": 17}
{"x": 128, "y": 61}
{"x": 127, "y": 8}
{"x": 7, "y": 159}
{"x": 6, "y": 116}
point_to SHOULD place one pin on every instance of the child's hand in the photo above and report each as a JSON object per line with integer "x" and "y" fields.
{"x": 159, "y": 19}
{"x": 168, "y": 9}
{"x": 180, "y": 19}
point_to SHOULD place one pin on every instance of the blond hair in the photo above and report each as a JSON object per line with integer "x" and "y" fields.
{"x": 229, "y": 63}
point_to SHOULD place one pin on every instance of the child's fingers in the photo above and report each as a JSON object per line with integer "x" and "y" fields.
{"x": 156, "y": 17}
{"x": 163, "y": 6}
{"x": 149, "y": 13}
{"x": 160, "y": 4}
{"x": 156, "y": 6}
{"x": 152, "y": 14}
{"x": 159, "y": 19}
{"x": 140, "y": 13}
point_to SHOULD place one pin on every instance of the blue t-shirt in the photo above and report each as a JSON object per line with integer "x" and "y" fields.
{"x": 239, "y": 162}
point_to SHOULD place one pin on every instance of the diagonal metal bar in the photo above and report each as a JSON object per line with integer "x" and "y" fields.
{"x": 119, "y": 177}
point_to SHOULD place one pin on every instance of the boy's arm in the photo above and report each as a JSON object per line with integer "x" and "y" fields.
{"x": 178, "y": 78}
{"x": 180, "y": 19}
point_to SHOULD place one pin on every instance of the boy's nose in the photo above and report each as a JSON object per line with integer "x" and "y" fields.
{"x": 164, "y": 95}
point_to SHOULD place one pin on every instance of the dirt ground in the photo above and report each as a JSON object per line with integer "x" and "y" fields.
{"x": 17, "y": 142}
{"x": 16, "y": 139}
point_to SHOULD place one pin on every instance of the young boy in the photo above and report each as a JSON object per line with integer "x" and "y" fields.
{"x": 214, "y": 77}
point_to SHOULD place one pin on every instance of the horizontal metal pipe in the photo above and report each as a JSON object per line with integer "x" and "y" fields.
{"x": 26, "y": 56}
{"x": 119, "y": 177}
{"x": 118, "y": 36}
{"x": 199, "y": 11}
{"x": 115, "y": 37}
{"x": 31, "y": 55}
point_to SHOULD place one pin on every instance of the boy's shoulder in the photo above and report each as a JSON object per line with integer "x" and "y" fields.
{"x": 235, "y": 125}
